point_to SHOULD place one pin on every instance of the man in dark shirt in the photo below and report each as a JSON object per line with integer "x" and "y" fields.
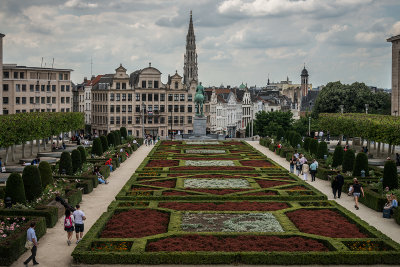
{"x": 340, "y": 183}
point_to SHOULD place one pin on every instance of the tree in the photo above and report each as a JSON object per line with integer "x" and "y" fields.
{"x": 46, "y": 174}
{"x": 124, "y": 133}
{"x": 322, "y": 150}
{"x": 266, "y": 124}
{"x": 361, "y": 163}
{"x": 118, "y": 137}
{"x": 15, "y": 188}
{"x": 32, "y": 182}
{"x": 280, "y": 133}
{"x": 82, "y": 150}
{"x": 296, "y": 140}
{"x": 314, "y": 146}
{"x": 104, "y": 143}
{"x": 97, "y": 147}
{"x": 348, "y": 161}
{"x": 337, "y": 156}
{"x": 390, "y": 176}
{"x": 111, "y": 139}
{"x": 65, "y": 165}
{"x": 307, "y": 142}
{"x": 76, "y": 160}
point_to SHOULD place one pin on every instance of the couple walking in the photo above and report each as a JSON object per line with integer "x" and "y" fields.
{"x": 76, "y": 219}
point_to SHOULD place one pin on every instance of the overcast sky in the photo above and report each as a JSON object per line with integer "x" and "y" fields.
{"x": 237, "y": 40}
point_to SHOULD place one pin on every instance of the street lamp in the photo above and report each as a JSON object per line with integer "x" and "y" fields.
{"x": 366, "y": 108}
{"x": 341, "y": 108}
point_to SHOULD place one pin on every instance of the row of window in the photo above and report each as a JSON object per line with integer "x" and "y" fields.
{"x": 149, "y": 84}
{"x": 5, "y": 111}
{"x": 150, "y": 120}
{"x": 147, "y": 109}
{"x": 37, "y": 100}
{"x": 35, "y": 75}
{"x": 37, "y": 87}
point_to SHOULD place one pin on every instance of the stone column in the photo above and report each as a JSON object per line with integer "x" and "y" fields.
{"x": 395, "y": 40}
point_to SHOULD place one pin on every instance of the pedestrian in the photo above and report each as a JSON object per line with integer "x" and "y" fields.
{"x": 79, "y": 217}
{"x": 334, "y": 186}
{"x": 328, "y": 136}
{"x": 305, "y": 170}
{"x": 292, "y": 164}
{"x": 31, "y": 243}
{"x": 298, "y": 167}
{"x": 313, "y": 170}
{"x": 357, "y": 190}
{"x": 296, "y": 154}
{"x": 340, "y": 180}
{"x": 321, "y": 135}
{"x": 68, "y": 225}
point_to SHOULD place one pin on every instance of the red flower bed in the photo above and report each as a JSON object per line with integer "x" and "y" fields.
{"x": 267, "y": 193}
{"x": 324, "y": 222}
{"x": 166, "y": 183}
{"x": 269, "y": 183}
{"x": 176, "y": 174}
{"x": 140, "y": 188}
{"x": 162, "y": 163}
{"x": 136, "y": 223}
{"x": 239, "y": 151}
{"x": 171, "y": 143}
{"x": 212, "y": 168}
{"x": 256, "y": 163}
{"x": 226, "y": 206}
{"x": 239, "y": 243}
{"x": 176, "y": 193}
{"x": 168, "y": 151}
{"x": 218, "y": 191}
{"x": 233, "y": 143}
{"x": 297, "y": 188}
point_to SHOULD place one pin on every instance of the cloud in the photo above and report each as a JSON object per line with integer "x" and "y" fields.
{"x": 368, "y": 37}
{"x": 80, "y": 4}
{"x": 324, "y": 36}
{"x": 284, "y": 53}
{"x": 395, "y": 30}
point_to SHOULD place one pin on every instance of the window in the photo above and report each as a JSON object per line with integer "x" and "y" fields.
{"x": 143, "y": 84}
{"x": 17, "y": 88}
{"x": 53, "y": 88}
{"x": 129, "y": 97}
{"x": 123, "y": 108}
{"x": 155, "y": 84}
{"x": 32, "y": 100}
{"x": 162, "y": 108}
{"x": 176, "y": 108}
{"x": 123, "y": 97}
{"x": 189, "y": 119}
{"x": 118, "y": 108}
{"x": 60, "y": 76}
{"x": 22, "y": 75}
{"x": 181, "y": 119}
{"x": 31, "y": 87}
{"x": 111, "y": 97}
{"x": 5, "y": 87}
{"x": 53, "y": 110}
{"x": 176, "y": 97}
{"x": 48, "y": 100}
{"x": 150, "y": 84}
{"x": 176, "y": 118}
{"x": 182, "y": 97}
{"x": 111, "y": 120}
{"x": 143, "y": 97}
{"x": 155, "y": 120}
{"x": 150, "y": 120}
{"x": 162, "y": 120}
{"x": 37, "y": 88}
{"x": 62, "y": 88}
{"x": 17, "y": 100}
{"x": 117, "y": 97}
{"x": 53, "y": 99}
{"x": 162, "y": 97}
{"x": 118, "y": 86}
{"x": 124, "y": 120}
{"x": 37, "y": 100}
{"x": 42, "y": 100}
{"x": 181, "y": 108}
{"x": 17, "y": 111}
{"x": 149, "y": 108}
{"x": 15, "y": 75}
{"x": 6, "y": 75}
{"x": 130, "y": 121}
{"x": 129, "y": 108}
{"x": 137, "y": 97}
{"x": 176, "y": 85}
{"x": 65, "y": 76}
{"x": 155, "y": 97}
{"x": 137, "y": 119}
{"x": 169, "y": 119}
{"x": 118, "y": 120}
{"x": 137, "y": 108}
{"x": 24, "y": 88}
{"x": 156, "y": 109}
{"x": 42, "y": 88}
{"x": 190, "y": 108}
{"x": 48, "y": 88}
{"x": 169, "y": 97}
{"x": 149, "y": 97}
{"x": 111, "y": 108}
{"x": 67, "y": 87}
{"x": 190, "y": 97}
{"x": 123, "y": 85}
{"x": 62, "y": 100}
{"x": 67, "y": 100}
{"x": 169, "y": 108}
{"x": 5, "y": 111}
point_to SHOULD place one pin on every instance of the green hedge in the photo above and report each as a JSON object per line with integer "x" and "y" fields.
{"x": 74, "y": 197}
{"x": 373, "y": 200}
{"x": 13, "y": 248}
{"x": 396, "y": 215}
{"x": 105, "y": 171}
{"x": 87, "y": 186}
{"x": 323, "y": 173}
{"x": 50, "y": 213}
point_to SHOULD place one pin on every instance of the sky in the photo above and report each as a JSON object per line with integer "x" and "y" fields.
{"x": 237, "y": 40}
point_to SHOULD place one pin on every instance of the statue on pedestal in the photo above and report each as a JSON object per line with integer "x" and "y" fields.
{"x": 199, "y": 100}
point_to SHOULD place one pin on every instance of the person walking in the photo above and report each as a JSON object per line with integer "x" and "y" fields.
{"x": 313, "y": 170}
{"x": 292, "y": 163}
{"x": 334, "y": 186}
{"x": 340, "y": 180}
{"x": 31, "y": 241}
{"x": 298, "y": 167}
{"x": 357, "y": 190}
{"x": 68, "y": 225}
{"x": 305, "y": 170}
{"x": 79, "y": 217}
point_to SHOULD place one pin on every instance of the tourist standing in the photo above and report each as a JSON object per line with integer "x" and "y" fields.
{"x": 68, "y": 225}
{"x": 321, "y": 135}
{"x": 313, "y": 170}
{"x": 292, "y": 164}
{"x": 340, "y": 180}
{"x": 31, "y": 241}
{"x": 305, "y": 170}
{"x": 298, "y": 166}
{"x": 334, "y": 186}
{"x": 357, "y": 190}
{"x": 79, "y": 217}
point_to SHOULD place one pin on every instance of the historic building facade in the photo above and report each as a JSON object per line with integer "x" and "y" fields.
{"x": 395, "y": 40}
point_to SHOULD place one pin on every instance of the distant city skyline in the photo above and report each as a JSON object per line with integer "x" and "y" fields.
{"x": 237, "y": 41}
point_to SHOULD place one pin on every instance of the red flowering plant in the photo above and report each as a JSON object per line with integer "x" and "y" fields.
{"x": 115, "y": 246}
{"x": 225, "y": 206}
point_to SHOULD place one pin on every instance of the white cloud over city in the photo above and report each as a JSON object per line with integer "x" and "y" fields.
{"x": 237, "y": 40}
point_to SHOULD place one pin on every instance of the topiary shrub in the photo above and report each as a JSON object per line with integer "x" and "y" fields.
{"x": 361, "y": 163}
{"x": 97, "y": 147}
{"x": 348, "y": 161}
{"x": 32, "y": 182}
{"x": 306, "y": 144}
{"x": 116, "y": 137}
{"x": 390, "y": 177}
{"x": 280, "y": 133}
{"x": 15, "y": 188}
{"x": 296, "y": 140}
{"x": 337, "y": 156}
{"x": 290, "y": 137}
{"x": 104, "y": 143}
{"x": 46, "y": 174}
{"x": 82, "y": 150}
{"x": 76, "y": 160}
{"x": 65, "y": 164}
{"x": 313, "y": 146}
{"x": 111, "y": 139}
{"x": 123, "y": 132}
{"x": 322, "y": 150}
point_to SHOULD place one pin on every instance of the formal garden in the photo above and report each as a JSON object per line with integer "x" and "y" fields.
{"x": 197, "y": 202}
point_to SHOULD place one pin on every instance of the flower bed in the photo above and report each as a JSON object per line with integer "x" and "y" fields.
{"x": 205, "y": 151}
{"x": 325, "y": 222}
{"x": 225, "y": 206}
{"x": 235, "y": 244}
{"x": 367, "y": 245}
{"x": 256, "y": 163}
{"x": 216, "y": 183}
{"x": 176, "y": 193}
{"x": 114, "y": 246}
{"x": 218, "y": 191}
{"x": 166, "y": 183}
{"x": 10, "y": 225}
{"x": 206, "y": 163}
{"x": 136, "y": 223}
{"x": 210, "y": 168}
{"x": 162, "y": 163}
{"x": 267, "y": 184}
{"x": 261, "y": 193}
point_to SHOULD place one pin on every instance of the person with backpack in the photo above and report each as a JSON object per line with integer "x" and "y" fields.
{"x": 69, "y": 225}
{"x": 79, "y": 227}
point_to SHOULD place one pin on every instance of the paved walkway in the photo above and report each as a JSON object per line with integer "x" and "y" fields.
{"x": 387, "y": 226}
{"x": 53, "y": 249}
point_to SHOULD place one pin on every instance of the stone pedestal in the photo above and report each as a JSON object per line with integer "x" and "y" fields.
{"x": 199, "y": 126}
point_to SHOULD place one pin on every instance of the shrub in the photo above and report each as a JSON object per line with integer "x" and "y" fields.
{"x": 76, "y": 160}
{"x": 32, "y": 182}
{"x": 348, "y": 160}
{"x": 296, "y": 140}
{"x": 65, "y": 163}
{"x": 104, "y": 143}
{"x": 280, "y": 133}
{"x": 124, "y": 133}
{"x": 46, "y": 174}
{"x": 115, "y": 138}
{"x": 15, "y": 188}
{"x": 314, "y": 146}
{"x": 118, "y": 137}
{"x": 390, "y": 177}
{"x": 306, "y": 144}
{"x": 361, "y": 163}
{"x": 337, "y": 156}
{"x": 322, "y": 150}
{"x": 290, "y": 137}
{"x": 111, "y": 139}
{"x": 97, "y": 147}
{"x": 82, "y": 150}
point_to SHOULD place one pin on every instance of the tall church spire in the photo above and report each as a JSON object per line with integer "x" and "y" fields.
{"x": 190, "y": 58}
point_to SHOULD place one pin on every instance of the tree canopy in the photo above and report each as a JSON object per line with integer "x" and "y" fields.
{"x": 267, "y": 123}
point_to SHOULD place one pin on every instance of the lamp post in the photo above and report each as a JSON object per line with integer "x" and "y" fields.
{"x": 366, "y": 108}
{"x": 341, "y": 108}
{"x": 143, "y": 108}
{"x": 309, "y": 126}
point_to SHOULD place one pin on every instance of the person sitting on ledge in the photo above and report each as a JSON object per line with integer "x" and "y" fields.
{"x": 391, "y": 203}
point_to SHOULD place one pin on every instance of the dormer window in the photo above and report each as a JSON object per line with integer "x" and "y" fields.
{"x": 150, "y": 84}
{"x": 176, "y": 85}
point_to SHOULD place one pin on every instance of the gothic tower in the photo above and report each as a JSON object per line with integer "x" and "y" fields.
{"x": 304, "y": 81}
{"x": 190, "y": 58}
{"x": 395, "y": 40}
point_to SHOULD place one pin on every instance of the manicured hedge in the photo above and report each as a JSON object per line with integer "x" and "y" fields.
{"x": 323, "y": 173}
{"x": 50, "y": 213}
{"x": 74, "y": 197}
{"x": 373, "y": 200}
